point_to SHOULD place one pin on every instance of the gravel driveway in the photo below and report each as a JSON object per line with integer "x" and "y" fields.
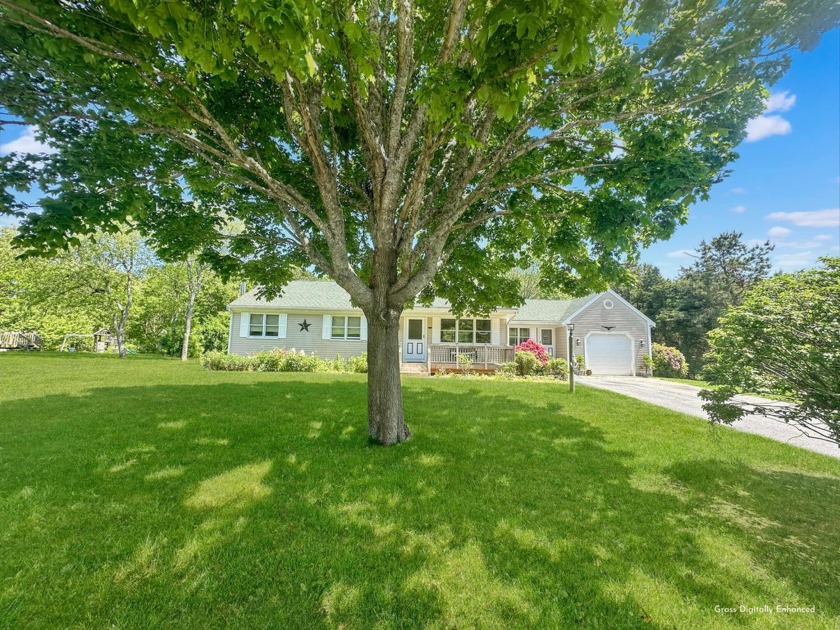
{"x": 683, "y": 398}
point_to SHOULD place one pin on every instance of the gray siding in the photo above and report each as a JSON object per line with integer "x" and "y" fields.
{"x": 624, "y": 319}
{"x": 308, "y": 341}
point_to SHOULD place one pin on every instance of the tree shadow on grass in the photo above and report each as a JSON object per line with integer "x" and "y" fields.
{"x": 262, "y": 504}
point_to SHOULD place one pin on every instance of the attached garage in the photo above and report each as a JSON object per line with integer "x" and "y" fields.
{"x": 607, "y": 332}
{"x": 609, "y": 354}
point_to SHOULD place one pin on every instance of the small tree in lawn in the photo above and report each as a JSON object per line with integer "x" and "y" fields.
{"x": 403, "y": 148}
{"x": 784, "y": 341}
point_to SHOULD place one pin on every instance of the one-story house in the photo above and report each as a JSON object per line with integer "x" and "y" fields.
{"x": 317, "y": 317}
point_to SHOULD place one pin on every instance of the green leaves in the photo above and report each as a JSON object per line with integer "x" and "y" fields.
{"x": 782, "y": 341}
{"x": 545, "y": 132}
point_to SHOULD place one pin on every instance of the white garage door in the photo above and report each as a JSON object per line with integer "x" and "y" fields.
{"x": 609, "y": 354}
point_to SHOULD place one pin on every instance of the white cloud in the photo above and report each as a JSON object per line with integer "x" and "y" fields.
{"x": 740, "y": 209}
{"x": 795, "y": 261}
{"x": 778, "y": 232}
{"x": 739, "y": 191}
{"x": 812, "y": 218}
{"x": 823, "y": 237}
{"x": 766, "y": 126}
{"x": 810, "y": 243}
{"x": 26, "y": 143}
{"x": 682, "y": 253}
{"x": 780, "y": 102}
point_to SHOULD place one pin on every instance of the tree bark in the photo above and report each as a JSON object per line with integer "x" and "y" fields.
{"x": 386, "y": 424}
{"x": 185, "y": 343}
{"x": 194, "y": 282}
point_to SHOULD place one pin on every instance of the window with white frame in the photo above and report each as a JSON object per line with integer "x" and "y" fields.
{"x": 264, "y": 325}
{"x": 345, "y": 327}
{"x": 547, "y": 337}
{"x": 465, "y": 330}
{"x": 518, "y": 335}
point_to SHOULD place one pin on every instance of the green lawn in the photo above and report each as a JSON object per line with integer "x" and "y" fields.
{"x": 144, "y": 493}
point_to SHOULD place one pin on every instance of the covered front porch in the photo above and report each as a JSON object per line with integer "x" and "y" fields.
{"x": 444, "y": 356}
{"x": 433, "y": 341}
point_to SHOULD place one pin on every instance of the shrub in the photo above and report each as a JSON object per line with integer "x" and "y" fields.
{"x": 580, "y": 364}
{"x": 537, "y": 349}
{"x": 282, "y": 360}
{"x": 526, "y": 363}
{"x": 509, "y": 369}
{"x": 465, "y": 363}
{"x": 648, "y": 363}
{"x": 357, "y": 364}
{"x": 220, "y": 361}
{"x": 781, "y": 342}
{"x": 558, "y": 368}
{"x": 668, "y": 362}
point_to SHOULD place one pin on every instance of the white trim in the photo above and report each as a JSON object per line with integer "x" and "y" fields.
{"x": 326, "y": 326}
{"x": 415, "y": 358}
{"x": 364, "y": 331}
{"x": 610, "y": 302}
{"x": 631, "y": 307}
{"x": 569, "y": 319}
{"x": 517, "y": 326}
{"x": 245, "y": 325}
{"x": 614, "y": 334}
{"x": 347, "y": 327}
{"x": 230, "y": 331}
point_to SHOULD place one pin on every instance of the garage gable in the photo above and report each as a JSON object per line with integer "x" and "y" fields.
{"x": 611, "y": 334}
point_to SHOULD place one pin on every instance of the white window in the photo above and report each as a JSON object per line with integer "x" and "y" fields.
{"x": 264, "y": 325}
{"x": 518, "y": 335}
{"x": 465, "y": 330}
{"x": 344, "y": 327}
{"x": 546, "y": 337}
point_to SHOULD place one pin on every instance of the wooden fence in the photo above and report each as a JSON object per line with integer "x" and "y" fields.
{"x": 16, "y": 340}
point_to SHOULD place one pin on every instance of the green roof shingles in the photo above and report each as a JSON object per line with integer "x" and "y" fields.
{"x": 322, "y": 295}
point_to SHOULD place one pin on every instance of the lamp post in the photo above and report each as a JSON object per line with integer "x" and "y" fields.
{"x": 571, "y": 328}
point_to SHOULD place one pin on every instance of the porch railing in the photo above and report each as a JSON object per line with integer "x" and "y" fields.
{"x": 482, "y": 355}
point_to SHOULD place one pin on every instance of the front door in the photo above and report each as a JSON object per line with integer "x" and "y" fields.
{"x": 415, "y": 340}
{"x": 547, "y": 339}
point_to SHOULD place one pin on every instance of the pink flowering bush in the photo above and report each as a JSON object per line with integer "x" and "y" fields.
{"x": 537, "y": 349}
{"x": 668, "y": 362}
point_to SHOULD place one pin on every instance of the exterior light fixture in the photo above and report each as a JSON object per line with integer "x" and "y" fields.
{"x": 642, "y": 343}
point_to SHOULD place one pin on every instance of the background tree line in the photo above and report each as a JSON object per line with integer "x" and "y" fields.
{"x": 117, "y": 282}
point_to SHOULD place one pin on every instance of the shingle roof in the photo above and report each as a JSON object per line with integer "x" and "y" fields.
{"x": 550, "y": 310}
{"x": 322, "y": 295}
{"x": 319, "y": 295}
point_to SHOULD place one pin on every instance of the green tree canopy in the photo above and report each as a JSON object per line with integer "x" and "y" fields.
{"x": 403, "y": 148}
{"x": 784, "y": 341}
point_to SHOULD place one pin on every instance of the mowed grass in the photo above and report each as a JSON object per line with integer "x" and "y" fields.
{"x": 146, "y": 493}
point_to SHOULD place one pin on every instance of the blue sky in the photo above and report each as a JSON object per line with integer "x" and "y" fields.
{"x": 785, "y": 186}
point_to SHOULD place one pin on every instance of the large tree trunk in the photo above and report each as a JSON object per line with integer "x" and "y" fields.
{"x": 386, "y": 424}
